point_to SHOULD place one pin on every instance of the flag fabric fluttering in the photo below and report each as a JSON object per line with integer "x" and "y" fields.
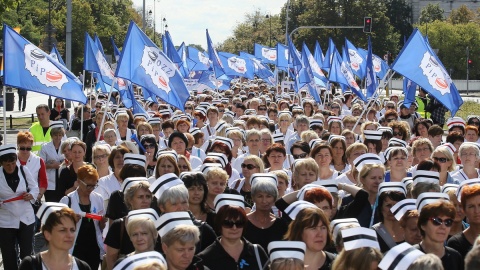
{"x": 299, "y": 71}
{"x": 314, "y": 66}
{"x": 283, "y": 59}
{"x": 208, "y": 79}
{"x": 128, "y": 99}
{"x": 327, "y": 61}
{"x": 371, "y": 78}
{"x": 318, "y": 54}
{"x": 94, "y": 61}
{"x": 116, "y": 51}
{"x": 144, "y": 64}
{"x": 419, "y": 63}
{"x": 312, "y": 87}
{"x": 340, "y": 72}
{"x": 213, "y": 56}
{"x": 235, "y": 65}
{"x": 97, "y": 42}
{"x": 261, "y": 70}
{"x": 265, "y": 54}
{"x": 182, "y": 52}
{"x": 172, "y": 53}
{"x": 28, "y": 67}
{"x": 197, "y": 60}
{"x": 55, "y": 54}
{"x": 409, "y": 90}
{"x": 355, "y": 59}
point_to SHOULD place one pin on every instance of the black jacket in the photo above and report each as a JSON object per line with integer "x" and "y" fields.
{"x": 35, "y": 263}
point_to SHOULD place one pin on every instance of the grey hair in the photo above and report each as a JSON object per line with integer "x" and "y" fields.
{"x": 426, "y": 261}
{"x": 173, "y": 195}
{"x": 143, "y": 223}
{"x": 130, "y": 192}
{"x": 183, "y": 234}
{"x": 302, "y": 119}
{"x": 468, "y": 146}
{"x": 253, "y": 132}
{"x": 67, "y": 143}
{"x": 422, "y": 187}
{"x": 266, "y": 187}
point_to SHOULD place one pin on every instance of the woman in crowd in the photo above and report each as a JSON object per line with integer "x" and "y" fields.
{"x": 251, "y": 164}
{"x": 123, "y": 132}
{"x": 216, "y": 179}
{"x": 274, "y": 158}
{"x": 144, "y": 128}
{"x": 112, "y": 182}
{"x": 308, "y": 108}
{"x": 469, "y": 156}
{"x": 339, "y": 158}
{"x": 410, "y": 229}
{"x": 87, "y": 121}
{"x": 305, "y": 171}
{"x": 458, "y": 224}
{"x": 266, "y": 140}
{"x": 17, "y": 219}
{"x": 88, "y": 238}
{"x": 353, "y": 151}
{"x": 100, "y": 155}
{"x": 222, "y": 148}
{"x": 166, "y": 163}
{"x": 110, "y": 137}
{"x": 179, "y": 143}
{"x": 444, "y": 158}
{"x": 421, "y": 129}
{"x": 237, "y": 137}
{"x": 59, "y": 232}
{"x": 142, "y": 233}
{"x": 397, "y": 161}
{"x": 184, "y": 164}
{"x": 434, "y": 223}
{"x": 284, "y": 120}
{"x": 359, "y": 258}
{"x": 231, "y": 250}
{"x": 264, "y": 227}
{"x": 422, "y": 149}
{"x": 52, "y": 155}
{"x": 311, "y": 226}
{"x": 322, "y": 153}
{"x": 59, "y": 112}
{"x": 151, "y": 148}
{"x": 68, "y": 176}
{"x": 197, "y": 197}
{"x": 471, "y": 134}
{"x": 137, "y": 196}
{"x": 335, "y": 126}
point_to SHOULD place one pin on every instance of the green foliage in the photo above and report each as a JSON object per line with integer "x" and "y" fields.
{"x": 400, "y": 14}
{"x": 7, "y": 5}
{"x": 431, "y": 13}
{"x": 462, "y": 15}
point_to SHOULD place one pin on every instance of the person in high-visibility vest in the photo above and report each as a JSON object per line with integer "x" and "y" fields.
{"x": 41, "y": 129}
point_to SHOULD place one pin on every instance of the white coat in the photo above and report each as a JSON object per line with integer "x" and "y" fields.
{"x": 96, "y": 207}
{"x": 12, "y": 213}
{"x": 49, "y": 154}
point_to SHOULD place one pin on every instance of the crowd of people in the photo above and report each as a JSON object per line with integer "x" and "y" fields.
{"x": 250, "y": 178}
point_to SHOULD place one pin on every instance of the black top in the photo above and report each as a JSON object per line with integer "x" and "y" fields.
{"x": 63, "y": 114}
{"x": 90, "y": 140}
{"x": 216, "y": 258}
{"x": 113, "y": 239}
{"x": 452, "y": 260}
{"x": 117, "y": 209}
{"x": 358, "y": 207}
{"x": 264, "y": 236}
{"x": 76, "y": 125}
{"x": 207, "y": 234}
{"x": 86, "y": 239}
{"x": 12, "y": 179}
{"x": 329, "y": 258}
{"x": 460, "y": 243}
{"x": 34, "y": 262}
{"x": 67, "y": 179}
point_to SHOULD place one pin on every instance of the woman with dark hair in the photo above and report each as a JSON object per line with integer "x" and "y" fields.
{"x": 68, "y": 176}
{"x": 222, "y": 148}
{"x": 59, "y": 112}
{"x": 397, "y": 161}
{"x": 308, "y": 108}
{"x": 231, "y": 250}
{"x": 87, "y": 120}
{"x": 322, "y": 153}
{"x": 151, "y": 148}
{"x": 434, "y": 222}
{"x": 421, "y": 129}
{"x": 197, "y": 197}
{"x": 312, "y": 227}
{"x": 389, "y": 231}
{"x": 339, "y": 158}
{"x": 178, "y": 141}
{"x": 274, "y": 158}
{"x": 59, "y": 232}
{"x": 166, "y": 163}
{"x": 400, "y": 130}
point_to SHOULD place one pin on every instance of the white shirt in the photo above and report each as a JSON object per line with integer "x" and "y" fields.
{"x": 461, "y": 176}
{"x": 49, "y": 154}
{"x": 107, "y": 185}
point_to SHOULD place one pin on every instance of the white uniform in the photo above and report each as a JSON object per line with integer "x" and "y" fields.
{"x": 48, "y": 153}
{"x": 107, "y": 185}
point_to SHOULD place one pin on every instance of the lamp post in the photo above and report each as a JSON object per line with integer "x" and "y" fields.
{"x": 269, "y": 17}
{"x": 286, "y": 21}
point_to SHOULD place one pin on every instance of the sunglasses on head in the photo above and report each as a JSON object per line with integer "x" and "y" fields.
{"x": 300, "y": 156}
{"x": 248, "y": 166}
{"x": 438, "y": 221}
{"x": 25, "y": 148}
{"x": 441, "y": 160}
{"x": 231, "y": 223}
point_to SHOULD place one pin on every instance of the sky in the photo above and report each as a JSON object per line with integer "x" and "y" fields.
{"x": 188, "y": 19}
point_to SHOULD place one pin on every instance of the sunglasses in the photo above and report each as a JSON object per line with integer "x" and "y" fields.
{"x": 300, "y": 156}
{"x": 100, "y": 156}
{"x": 25, "y": 148}
{"x": 147, "y": 146}
{"x": 391, "y": 107}
{"x": 438, "y": 221}
{"x": 397, "y": 133}
{"x": 221, "y": 110}
{"x": 230, "y": 224}
{"x": 390, "y": 120}
{"x": 441, "y": 160}
{"x": 248, "y": 166}
{"x": 475, "y": 123}
{"x": 188, "y": 108}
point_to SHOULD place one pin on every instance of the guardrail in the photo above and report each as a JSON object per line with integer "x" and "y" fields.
{"x": 23, "y": 122}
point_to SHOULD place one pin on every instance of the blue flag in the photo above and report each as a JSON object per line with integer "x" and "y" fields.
{"x": 329, "y": 55}
{"x": 213, "y": 56}
{"x": 116, "y": 51}
{"x": 171, "y": 51}
{"x": 235, "y": 65}
{"x": 197, "y": 60}
{"x": 144, "y": 64}
{"x": 265, "y": 54}
{"x": 98, "y": 43}
{"x": 94, "y": 61}
{"x": 55, "y": 54}
{"x": 261, "y": 70}
{"x": 312, "y": 88}
{"x": 371, "y": 77}
{"x": 409, "y": 89}
{"x": 283, "y": 59}
{"x": 340, "y": 72}
{"x": 128, "y": 99}
{"x": 164, "y": 44}
{"x": 419, "y": 63}
{"x": 379, "y": 65}
{"x": 355, "y": 59}
{"x": 314, "y": 66}
{"x": 28, "y": 67}
{"x": 208, "y": 79}
{"x": 182, "y": 52}
{"x": 318, "y": 54}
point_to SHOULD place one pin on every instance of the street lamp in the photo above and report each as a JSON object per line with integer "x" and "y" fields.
{"x": 269, "y": 17}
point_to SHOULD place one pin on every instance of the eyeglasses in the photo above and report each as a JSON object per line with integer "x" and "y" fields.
{"x": 262, "y": 109}
{"x": 88, "y": 186}
{"x": 229, "y": 224}
{"x": 438, "y": 221}
{"x": 100, "y": 156}
{"x": 147, "y": 146}
{"x": 397, "y": 133}
{"x": 300, "y": 156}
{"x": 468, "y": 154}
{"x": 221, "y": 110}
{"x": 25, "y": 148}
{"x": 390, "y": 120}
{"x": 248, "y": 166}
{"x": 441, "y": 160}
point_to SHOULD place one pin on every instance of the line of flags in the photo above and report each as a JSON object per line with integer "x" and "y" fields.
{"x": 162, "y": 72}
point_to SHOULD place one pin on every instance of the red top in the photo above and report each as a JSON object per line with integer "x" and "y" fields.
{"x": 42, "y": 174}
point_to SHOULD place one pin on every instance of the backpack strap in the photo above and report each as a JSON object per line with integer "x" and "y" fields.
{"x": 382, "y": 232}
{"x": 122, "y": 230}
{"x": 24, "y": 177}
{"x": 257, "y": 255}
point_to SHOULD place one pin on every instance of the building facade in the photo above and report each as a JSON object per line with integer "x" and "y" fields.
{"x": 446, "y": 5}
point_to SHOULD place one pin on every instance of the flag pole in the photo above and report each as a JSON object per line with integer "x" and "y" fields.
{"x": 377, "y": 91}
{"x": 81, "y": 124}
{"x": 4, "y": 92}
{"x": 106, "y": 107}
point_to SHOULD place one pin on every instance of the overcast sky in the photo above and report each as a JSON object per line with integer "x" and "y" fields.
{"x": 188, "y": 19}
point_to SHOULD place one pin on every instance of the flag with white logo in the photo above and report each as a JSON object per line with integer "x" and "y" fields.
{"x": 213, "y": 56}
{"x": 357, "y": 62}
{"x": 314, "y": 66}
{"x": 144, "y": 64}
{"x": 28, "y": 67}
{"x": 235, "y": 65}
{"x": 261, "y": 70}
{"x": 265, "y": 54}
{"x": 197, "y": 60}
{"x": 371, "y": 78}
{"x": 208, "y": 79}
{"x": 419, "y": 63}
{"x": 340, "y": 72}
{"x": 94, "y": 61}
{"x": 312, "y": 88}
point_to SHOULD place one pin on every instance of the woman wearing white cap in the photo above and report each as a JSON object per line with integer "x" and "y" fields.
{"x": 68, "y": 176}
{"x": 469, "y": 155}
{"x": 16, "y": 217}
{"x": 443, "y": 156}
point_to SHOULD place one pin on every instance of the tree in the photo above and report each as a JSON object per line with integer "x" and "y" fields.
{"x": 7, "y": 5}
{"x": 431, "y": 13}
{"x": 400, "y": 14}
{"x": 461, "y": 15}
